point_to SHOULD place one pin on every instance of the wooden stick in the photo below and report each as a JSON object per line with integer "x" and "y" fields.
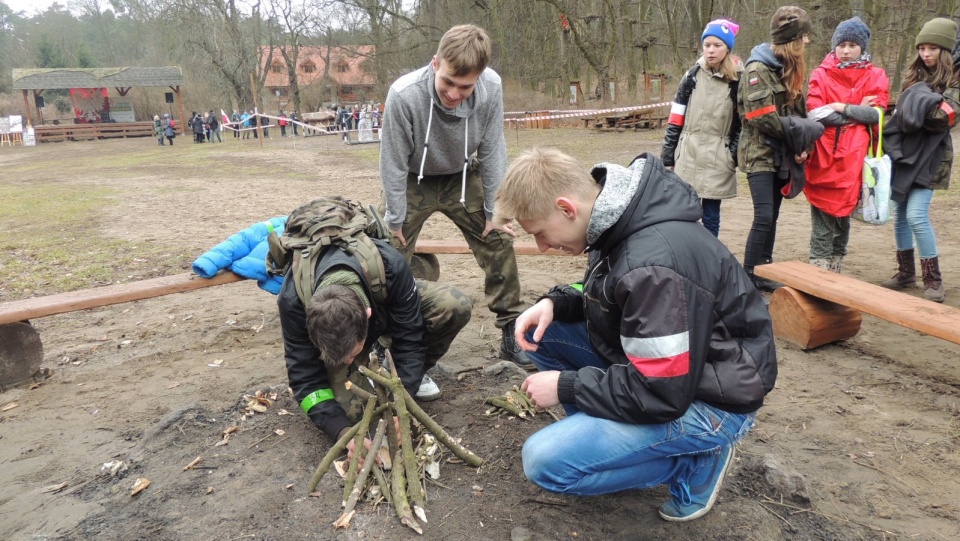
{"x": 406, "y": 438}
{"x": 393, "y": 439}
{"x": 358, "y": 439}
{"x": 400, "y": 503}
{"x": 361, "y": 482}
{"x": 410, "y": 405}
{"x": 335, "y": 451}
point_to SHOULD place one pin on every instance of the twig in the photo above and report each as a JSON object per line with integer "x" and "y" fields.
{"x": 261, "y": 440}
{"x": 355, "y": 389}
{"x": 393, "y": 439}
{"x": 381, "y": 480}
{"x": 332, "y": 454}
{"x": 361, "y": 481}
{"x": 410, "y": 405}
{"x": 774, "y": 513}
{"x": 400, "y": 503}
{"x": 358, "y": 439}
{"x": 193, "y": 463}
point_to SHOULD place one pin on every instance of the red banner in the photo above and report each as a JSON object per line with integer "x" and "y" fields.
{"x": 90, "y": 105}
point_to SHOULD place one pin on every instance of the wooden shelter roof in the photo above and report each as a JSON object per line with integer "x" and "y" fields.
{"x": 43, "y": 79}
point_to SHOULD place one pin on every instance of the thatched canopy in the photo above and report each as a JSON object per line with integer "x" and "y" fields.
{"x": 47, "y": 79}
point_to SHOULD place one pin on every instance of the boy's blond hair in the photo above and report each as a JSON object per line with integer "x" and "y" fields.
{"x": 465, "y": 49}
{"x": 536, "y": 179}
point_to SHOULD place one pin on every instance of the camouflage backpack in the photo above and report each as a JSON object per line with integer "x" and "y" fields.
{"x": 323, "y": 222}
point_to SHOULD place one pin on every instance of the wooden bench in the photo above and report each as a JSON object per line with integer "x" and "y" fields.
{"x": 817, "y": 307}
{"x": 21, "y": 351}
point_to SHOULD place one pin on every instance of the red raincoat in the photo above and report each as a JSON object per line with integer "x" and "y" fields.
{"x": 833, "y": 170}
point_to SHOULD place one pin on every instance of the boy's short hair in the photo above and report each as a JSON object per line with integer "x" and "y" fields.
{"x": 466, "y": 49}
{"x": 536, "y": 179}
{"x": 336, "y": 322}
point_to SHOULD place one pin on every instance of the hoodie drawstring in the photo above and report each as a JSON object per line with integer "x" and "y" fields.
{"x": 426, "y": 143}
{"x": 466, "y": 156}
{"x": 466, "y": 163}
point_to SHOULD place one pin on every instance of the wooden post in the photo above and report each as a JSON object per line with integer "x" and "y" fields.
{"x": 256, "y": 108}
{"x": 26, "y": 107}
{"x": 183, "y": 120}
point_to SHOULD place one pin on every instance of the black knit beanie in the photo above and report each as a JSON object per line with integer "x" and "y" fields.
{"x": 852, "y": 30}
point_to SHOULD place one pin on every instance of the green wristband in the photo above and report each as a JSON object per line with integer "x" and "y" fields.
{"x": 578, "y": 286}
{"x": 315, "y": 398}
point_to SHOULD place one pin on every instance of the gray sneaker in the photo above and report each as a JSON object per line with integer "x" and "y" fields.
{"x": 428, "y": 390}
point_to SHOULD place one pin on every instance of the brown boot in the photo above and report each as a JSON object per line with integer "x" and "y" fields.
{"x": 906, "y": 275}
{"x": 932, "y": 281}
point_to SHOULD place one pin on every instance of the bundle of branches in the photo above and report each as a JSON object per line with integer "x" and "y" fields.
{"x": 514, "y": 402}
{"x": 404, "y": 489}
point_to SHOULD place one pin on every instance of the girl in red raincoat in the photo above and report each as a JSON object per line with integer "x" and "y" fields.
{"x": 844, "y": 92}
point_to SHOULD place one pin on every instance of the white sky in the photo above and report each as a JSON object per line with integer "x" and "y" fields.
{"x": 30, "y": 7}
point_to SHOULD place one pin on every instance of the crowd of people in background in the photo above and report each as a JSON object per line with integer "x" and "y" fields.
{"x": 754, "y": 116}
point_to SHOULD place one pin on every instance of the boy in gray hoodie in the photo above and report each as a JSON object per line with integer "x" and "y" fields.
{"x": 442, "y": 149}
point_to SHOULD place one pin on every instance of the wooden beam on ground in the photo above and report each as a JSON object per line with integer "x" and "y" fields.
{"x": 26, "y": 309}
{"x": 905, "y": 310}
{"x": 425, "y": 246}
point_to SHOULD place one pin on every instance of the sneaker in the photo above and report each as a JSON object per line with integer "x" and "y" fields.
{"x": 428, "y": 390}
{"x": 510, "y": 349}
{"x": 691, "y": 501}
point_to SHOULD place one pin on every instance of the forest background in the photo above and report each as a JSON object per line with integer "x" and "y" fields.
{"x": 540, "y": 46}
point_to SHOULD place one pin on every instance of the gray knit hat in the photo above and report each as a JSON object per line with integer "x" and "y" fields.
{"x": 852, "y": 30}
{"x": 789, "y": 23}
{"x": 941, "y": 32}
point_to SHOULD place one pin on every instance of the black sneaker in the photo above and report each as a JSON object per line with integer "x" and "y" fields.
{"x": 510, "y": 350}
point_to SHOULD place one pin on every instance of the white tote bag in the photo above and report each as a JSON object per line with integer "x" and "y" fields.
{"x": 874, "y": 204}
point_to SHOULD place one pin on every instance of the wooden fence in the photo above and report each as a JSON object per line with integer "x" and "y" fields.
{"x": 87, "y": 132}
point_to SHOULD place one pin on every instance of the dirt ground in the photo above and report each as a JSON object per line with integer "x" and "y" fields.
{"x": 865, "y": 431}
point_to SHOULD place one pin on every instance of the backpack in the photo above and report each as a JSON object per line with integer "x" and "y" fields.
{"x": 323, "y": 222}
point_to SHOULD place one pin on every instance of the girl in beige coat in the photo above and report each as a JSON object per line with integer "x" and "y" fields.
{"x": 704, "y": 125}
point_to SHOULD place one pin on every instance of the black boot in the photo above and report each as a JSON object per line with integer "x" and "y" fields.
{"x": 906, "y": 275}
{"x": 762, "y": 284}
{"x": 932, "y": 280}
{"x": 510, "y": 350}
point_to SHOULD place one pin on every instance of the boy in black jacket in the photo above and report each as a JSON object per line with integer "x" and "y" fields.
{"x": 342, "y": 322}
{"x": 660, "y": 357}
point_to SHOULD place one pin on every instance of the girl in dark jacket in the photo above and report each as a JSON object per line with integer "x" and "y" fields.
{"x": 918, "y": 140}
{"x": 771, "y": 87}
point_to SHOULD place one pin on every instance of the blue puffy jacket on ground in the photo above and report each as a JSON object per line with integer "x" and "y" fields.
{"x": 245, "y": 254}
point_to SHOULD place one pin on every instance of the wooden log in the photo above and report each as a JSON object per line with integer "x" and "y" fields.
{"x": 21, "y": 353}
{"x": 425, "y": 246}
{"x": 60, "y": 303}
{"x": 808, "y": 321}
{"x": 940, "y": 320}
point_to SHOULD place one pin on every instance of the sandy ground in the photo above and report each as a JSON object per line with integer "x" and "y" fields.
{"x": 858, "y": 441}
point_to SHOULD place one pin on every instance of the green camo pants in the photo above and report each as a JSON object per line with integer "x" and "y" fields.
{"x": 446, "y": 310}
{"x": 494, "y": 253}
{"x": 829, "y": 236}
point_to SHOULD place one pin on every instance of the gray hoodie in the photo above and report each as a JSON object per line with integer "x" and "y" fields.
{"x": 414, "y": 116}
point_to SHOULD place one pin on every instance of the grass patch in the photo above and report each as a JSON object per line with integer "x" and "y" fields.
{"x": 49, "y": 243}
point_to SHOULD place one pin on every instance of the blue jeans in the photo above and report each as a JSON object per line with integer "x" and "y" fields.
{"x": 587, "y": 455}
{"x": 911, "y": 219}
{"x": 711, "y": 215}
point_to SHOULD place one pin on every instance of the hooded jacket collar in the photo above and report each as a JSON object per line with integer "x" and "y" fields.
{"x": 764, "y": 54}
{"x": 635, "y": 197}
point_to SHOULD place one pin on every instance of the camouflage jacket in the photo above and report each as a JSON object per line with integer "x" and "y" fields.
{"x": 762, "y": 100}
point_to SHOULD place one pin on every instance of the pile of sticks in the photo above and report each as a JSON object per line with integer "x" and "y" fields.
{"x": 404, "y": 489}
